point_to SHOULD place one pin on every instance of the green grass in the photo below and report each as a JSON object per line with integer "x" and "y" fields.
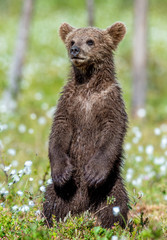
{"x": 24, "y": 135}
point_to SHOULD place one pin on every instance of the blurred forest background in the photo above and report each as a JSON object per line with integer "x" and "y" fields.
{"x": 46, "y": 60}
{"x": 24, "y": 132}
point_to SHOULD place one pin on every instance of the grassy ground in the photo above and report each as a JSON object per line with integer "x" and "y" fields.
{"x": 24, "y": 135}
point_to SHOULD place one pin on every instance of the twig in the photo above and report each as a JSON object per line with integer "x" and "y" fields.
{"x": 45, "y": 219}
{"x": 100, "y": 210}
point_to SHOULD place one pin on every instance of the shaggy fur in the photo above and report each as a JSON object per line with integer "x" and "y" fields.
{"x": 89, "y": 125}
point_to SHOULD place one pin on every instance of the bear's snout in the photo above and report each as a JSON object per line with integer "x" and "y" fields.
{"x": 74, "y": 51}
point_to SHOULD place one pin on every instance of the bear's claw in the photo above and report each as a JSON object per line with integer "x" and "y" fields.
{"x": 62, "y": 175}
{"x": 96, "y": 175}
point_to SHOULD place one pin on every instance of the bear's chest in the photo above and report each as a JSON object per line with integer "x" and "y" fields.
{"x": 87, "y": 107}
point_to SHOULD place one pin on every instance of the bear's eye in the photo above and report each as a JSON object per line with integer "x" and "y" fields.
{"x": 90, "y": 42}
{"x": 72, "y": 43}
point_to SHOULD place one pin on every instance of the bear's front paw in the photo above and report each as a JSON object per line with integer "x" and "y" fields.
{"x": 61, "y": 173}
{"x": 95, "y": 174}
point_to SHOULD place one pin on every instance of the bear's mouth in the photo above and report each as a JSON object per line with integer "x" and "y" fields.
{"x": 77, "y": 58}
{"x": 78, "y": 61}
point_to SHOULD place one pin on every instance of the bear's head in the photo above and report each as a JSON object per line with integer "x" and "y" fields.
{"x": 87, "y": 46}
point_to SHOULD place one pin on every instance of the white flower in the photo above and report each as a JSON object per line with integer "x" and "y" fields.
{"x": 135, "y": 140}
{"x": 11, "y": 151}
{"x": 20, "y": 173}
{"x": 49, "y": 181}
{"x": 10, "y": 184}
{"x": 27, "y": 170}
{"x": 22, "y": 128}
{"x": 42, "y": 189}
{"x": 3, "y": 107}
{"x": 20, "y": 193}
{"x": 130, "y": 170}
{"x": 4, "y": 192}
{"x": 2, "y": 204}
{"x": 116, "y": 211}
{"x": 50, "y": 112}
{"x": 138, "y": 158}
{"x": 30, "y": 131}
{"x": 141, "y": 194}
{"x": 129, "y": 174}
{"x": 159, "y": 161}
{"x": 16, "y": 178}
{"x": 141, "y": 113}
{"x": 7, "y": 168}
{"x": 31, "y": 179}
{"x": 28, "y": 163}
{"x": 31, "y": 204}
{"x": 33, "y": 116}
{"x": 24, "y": 208}
{"x": 15, "y": 208}
{"x": 140, "y": 148}
{"x": 37, "y": 213}
{"x": 40, "y": 182}
{"x": 42, "y": 120}
{"x": 128, "y": 177}
{"x": 138, "y": 134}
{"x": 137, "y": 182}
{"x": 13, "y": 172}
{"x": 149, "y": 149}
{"x": 163, "y": 169}
{"x": 3, "y": 127}
{"x": 38, "y": 96}
{"x": 114, "y": 237}
{"x": 135, "y": 129}
{"x": 164, "y": 142}
{"x": 128, "y": 146}
{"x": 165, "y": 197}
{"x": 157, "y": 131}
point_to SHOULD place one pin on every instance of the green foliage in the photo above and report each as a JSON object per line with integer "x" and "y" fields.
{"x": 110, "y": 200}
{"x": 27, "y": 226}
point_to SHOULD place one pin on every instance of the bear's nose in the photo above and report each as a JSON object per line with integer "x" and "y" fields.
{"x": 74, "y": 51}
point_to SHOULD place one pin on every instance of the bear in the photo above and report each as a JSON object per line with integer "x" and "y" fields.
{"x": 87, "y": 134}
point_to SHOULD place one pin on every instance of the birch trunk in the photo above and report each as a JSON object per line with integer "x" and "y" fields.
{"x": 90, "y": 11}
{"x": 15, "y": 73}
{"x": 139, "y": 57}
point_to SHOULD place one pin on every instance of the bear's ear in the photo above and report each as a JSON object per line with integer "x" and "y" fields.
{"x": 64, "y": 30}
{"x": 117, "y": 32}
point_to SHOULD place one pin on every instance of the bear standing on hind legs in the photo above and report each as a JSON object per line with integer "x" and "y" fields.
{"x": 89, "y": 125}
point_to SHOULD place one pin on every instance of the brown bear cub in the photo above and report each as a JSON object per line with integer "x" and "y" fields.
{"x": 89, "y": 126}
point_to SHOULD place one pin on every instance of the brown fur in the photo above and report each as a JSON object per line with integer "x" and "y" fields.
{"x": 89, "y": 125}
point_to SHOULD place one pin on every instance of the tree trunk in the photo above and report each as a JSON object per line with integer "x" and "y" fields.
{"x": 15, "y": 73}
{"x": 139, "y": 58}
{"x": 90, "y": 11}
